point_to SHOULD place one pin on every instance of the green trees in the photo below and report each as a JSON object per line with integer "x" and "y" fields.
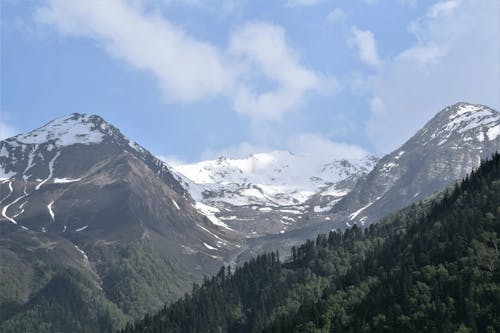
{"x": 433, "y": 267}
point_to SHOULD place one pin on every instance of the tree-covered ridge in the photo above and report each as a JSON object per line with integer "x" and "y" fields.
{"x": 46, "y": 285}
{"x": 432, "y": 267}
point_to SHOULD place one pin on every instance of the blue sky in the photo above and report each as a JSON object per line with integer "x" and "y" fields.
{"x": 196, "y": 79}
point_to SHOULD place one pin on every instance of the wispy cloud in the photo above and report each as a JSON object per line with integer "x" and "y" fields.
{"x": 262, "y": 48}
{"x": 455, "y": 57}
{"x": 337, "y": 15}
{"x": 366, "y": 45}
{"x": 186, "y": 69}
{"x": 189, "y": 69}
{"x": 6, "y": 130}
{"x": 301, "y": 3}
{"x": 312, "y": 145}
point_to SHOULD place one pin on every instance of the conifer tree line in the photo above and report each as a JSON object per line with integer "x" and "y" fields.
{"x": 432, "y": 267}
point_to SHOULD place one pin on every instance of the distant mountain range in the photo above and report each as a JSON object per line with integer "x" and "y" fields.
{"x": 77, "y": 198}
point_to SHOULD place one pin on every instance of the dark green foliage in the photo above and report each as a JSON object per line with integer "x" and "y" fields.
{"x": 433, "y": 267}
{"x": 137, "y": 279}
{"x": 67, "y": 303}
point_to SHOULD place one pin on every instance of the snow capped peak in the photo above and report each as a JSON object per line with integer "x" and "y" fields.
{"x": 464, "y": 120}
{"x": 76, "y": 128}
{"x": 264, "y": 177}
{"x": 68, "y": 130}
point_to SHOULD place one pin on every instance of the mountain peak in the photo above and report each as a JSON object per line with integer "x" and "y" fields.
{"x": 463, "y": 121}
{"x": 69, "y": 130}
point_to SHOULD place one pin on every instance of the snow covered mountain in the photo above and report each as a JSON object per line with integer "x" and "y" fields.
{"x": 446, "y": 149}
{"x": 78, "y": 179}
{"x": 77, "y": 193}
{"x": 270, "y": 192}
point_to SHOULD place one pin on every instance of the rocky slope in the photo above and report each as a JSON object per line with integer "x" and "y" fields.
{"x": 448, "y": 147}
{"x": 82, "y": 204}
{"x": 78, "y": 179}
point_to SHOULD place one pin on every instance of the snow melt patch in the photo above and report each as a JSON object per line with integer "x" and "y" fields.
{"x": 82, "y": 252}
{"x": 399, "y": 154}
{"x": 214, "y": 235}
{"x": 319, "y": 209}
{"x": 9, "y": 194}
{"x": 51, "y": 211}
{"x": 493, "y": 132}
{"x": 82, "y": 228}
{"x": 51, "y": 171}
{"x": 6, "y": 175}
{"x": 388, "y": 166}
{"x": 209, "y": 212}
{"x": 5, "y": 208}
{"x": 175, "y": 204}
{"x": 209, "y": 247}
{"x": 65, "y": 180}
{"x": 356, "y": 213}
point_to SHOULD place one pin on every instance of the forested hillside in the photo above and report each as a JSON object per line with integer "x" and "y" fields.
{"x": 432, "y": 267}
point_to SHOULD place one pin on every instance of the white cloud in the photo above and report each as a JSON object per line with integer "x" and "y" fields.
{"x": 312, "y": 145}
{"x": 241, "y": 150}
{"x": 365, "y": 42}
{"x": 171, "y": 160}
{"x": 337, "y": 15}
{"x": 455, "y": 57}
{"x": 6, "y": 130}
{"x": 316, "y": 145}
{"x": 297, "y": 3}
{"x": 263, "y": 48}
{"x": 188, "y": 69}
{"x": 443, "y": 8}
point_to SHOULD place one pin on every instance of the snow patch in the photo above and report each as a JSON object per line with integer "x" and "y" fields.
{"x": 356, "y": 213}
{"x": 210, "y": 212}
{"x": 6, "y": 175}
{"x": 211, "y": 233}
{"x": 399, "y": 154}
{"x": 51, "y": 171}
{"x": 175, "y": 204}
{"x": 10, "y": 192}
{"x": 290, "y": 211}
{"x": 64, "y": 131}
{"x": 493, "y": 132}
{"x": 51, "y": 211}
{"x": 82, "y": 252}
{"x": 65, "y": 180}
{"x": 82, "y": 228}
{"x": 209, "y": 247}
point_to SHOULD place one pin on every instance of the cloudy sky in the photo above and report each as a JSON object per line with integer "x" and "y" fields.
{"x": 195, "y": 79}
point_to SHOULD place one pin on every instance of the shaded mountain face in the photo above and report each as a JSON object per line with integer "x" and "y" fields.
{"x": 79, "y": 179}
{"x": 447, "y": 148}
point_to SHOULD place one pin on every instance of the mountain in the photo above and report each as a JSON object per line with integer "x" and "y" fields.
{"x": 83, "y": 206}
{"x": 279, "y": 199}
{"x": 270, "y": 193}
{"x": 432, "y": 267}
{"x": 78, "y": 181}
{"x": 448, "y": 147}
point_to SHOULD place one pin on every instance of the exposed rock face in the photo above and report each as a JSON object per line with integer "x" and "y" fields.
{"x": 447, "y": 148}
{"x": 77, "y": 193}
{"x": 78, "y": 178}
